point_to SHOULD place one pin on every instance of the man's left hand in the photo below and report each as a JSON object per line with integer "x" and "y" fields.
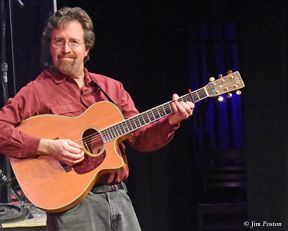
{"x": 182, "y": 110}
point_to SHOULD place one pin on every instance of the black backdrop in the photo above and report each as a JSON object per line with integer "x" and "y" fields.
{"x": 144, "y": 44}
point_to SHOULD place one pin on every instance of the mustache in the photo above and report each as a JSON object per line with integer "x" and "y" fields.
{"x": 67, "y": 56}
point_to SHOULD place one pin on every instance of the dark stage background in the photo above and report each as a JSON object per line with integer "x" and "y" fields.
{"x": 160, "y": 47}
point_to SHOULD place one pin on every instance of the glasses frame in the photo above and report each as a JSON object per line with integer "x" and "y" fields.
{"x": 72, "y": 43}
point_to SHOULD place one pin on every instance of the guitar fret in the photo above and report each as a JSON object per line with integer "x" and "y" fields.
{"x": 156, "y": 113}
{"x": 186, "y": 98}
{"x": 126, "y": 128}
{"x": 114, "y": 132}
{"x": 118, "y": 131}
{"x": 110, "y": 133}
{"x": 163, "y": 112}
{"x": 168, "y": 109}
{"x": 130, "y": 125}
{"x": 195, "y": 96}
{"x": 190, "y": 98}
{"x": 121, "y": 129}
{"x": 151, "y": 116}
{"x": 137, "y": 122}
{"x": 160, "y": 111}
{"x": 141, "y": 119}
{"x": 202, "y": 93}
{"x": 146, "y": 118}
{"x": 106, "y": 136}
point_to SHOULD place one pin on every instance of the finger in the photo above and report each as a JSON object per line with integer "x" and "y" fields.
{"x": 71, "y": 162}
{"x": 182, "y": 108}
{"x": 72, "y": 147}
{"x": 175, "y": 98}
{"x": 191, "y": 105}
{"x": 189, "y": 108}
{"x": 74, "y": 144}
{"x": 74, "y": 157}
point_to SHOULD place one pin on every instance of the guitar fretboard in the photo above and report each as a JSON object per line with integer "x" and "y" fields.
{"x": 129, "y": 125}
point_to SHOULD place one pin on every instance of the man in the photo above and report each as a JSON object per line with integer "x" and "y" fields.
{"x": 68, "y": 88}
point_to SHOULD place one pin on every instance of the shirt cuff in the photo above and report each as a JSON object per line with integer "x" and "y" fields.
{"x": 30, "y": 149}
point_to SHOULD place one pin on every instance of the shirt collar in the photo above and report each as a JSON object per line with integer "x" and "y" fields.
{"x": 59, "y": 77}
{"x": 87, "y": 78}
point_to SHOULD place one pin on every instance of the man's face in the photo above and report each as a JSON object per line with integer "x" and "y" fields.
{"x": 68, "y": 49}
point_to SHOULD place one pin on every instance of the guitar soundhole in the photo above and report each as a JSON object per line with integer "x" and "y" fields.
{"x": 93, "y": 142}
{"x": 95, "y": 152}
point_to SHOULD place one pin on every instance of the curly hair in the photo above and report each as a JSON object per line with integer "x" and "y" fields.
{"x": 67, "y": 14}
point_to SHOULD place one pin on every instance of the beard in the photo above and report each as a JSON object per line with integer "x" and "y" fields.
{"x": 66, "y": 63}
{"x": 66, "y": 66}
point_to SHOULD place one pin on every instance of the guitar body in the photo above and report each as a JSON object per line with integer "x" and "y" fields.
{"x": 52, "y": 186}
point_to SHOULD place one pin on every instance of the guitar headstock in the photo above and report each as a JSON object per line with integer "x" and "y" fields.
{"x": 228, "y": 83}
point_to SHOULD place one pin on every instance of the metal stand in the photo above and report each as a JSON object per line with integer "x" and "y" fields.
{"x": 4, "y": 77}
{"x": 4, "y": 83}
{"x": 8, "y": 211}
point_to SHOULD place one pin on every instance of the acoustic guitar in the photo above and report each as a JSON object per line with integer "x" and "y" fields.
{"x": 55, "y": 187}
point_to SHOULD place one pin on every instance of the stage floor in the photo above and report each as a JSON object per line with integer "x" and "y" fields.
{"x": 26, "y": 216}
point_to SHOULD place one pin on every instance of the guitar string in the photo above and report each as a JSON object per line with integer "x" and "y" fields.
{"x": 122, "y": 131}
{"x": 191, "y": 96}
{"x": 167, "y": 106}
{"x": 129, "y": 123}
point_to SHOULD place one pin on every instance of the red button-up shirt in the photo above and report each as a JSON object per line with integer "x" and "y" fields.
{"x": 54, "y": 93}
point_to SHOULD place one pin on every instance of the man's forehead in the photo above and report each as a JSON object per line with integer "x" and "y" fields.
{"x": 71, "y": 28}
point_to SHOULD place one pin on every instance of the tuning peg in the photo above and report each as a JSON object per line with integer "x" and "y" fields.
{"x": 229, "y": 95}
{"x": 238, "y": 92}
{"x": 220, "y": 98}
{"x": 220, "y": 75}
{"x": 229, "y": 72}
{"x": 211, "y": 79}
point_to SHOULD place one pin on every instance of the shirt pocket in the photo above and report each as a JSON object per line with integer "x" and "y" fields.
{"x": 70, "y": 109}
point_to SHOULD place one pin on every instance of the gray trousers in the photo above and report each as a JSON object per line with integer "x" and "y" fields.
{"x": 109, "y": 211}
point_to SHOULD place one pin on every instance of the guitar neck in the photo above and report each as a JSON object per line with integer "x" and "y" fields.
{"x": 129, "y": 125}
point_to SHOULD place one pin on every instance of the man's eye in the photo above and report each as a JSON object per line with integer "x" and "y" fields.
{"x": 74, "y": 43}
{"x": 59, "y": 42}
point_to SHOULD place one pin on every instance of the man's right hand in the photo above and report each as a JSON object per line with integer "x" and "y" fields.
{"x": 64, "y": 150}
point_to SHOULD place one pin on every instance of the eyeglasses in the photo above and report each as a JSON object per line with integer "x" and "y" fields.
{"x": 72, "y": 43}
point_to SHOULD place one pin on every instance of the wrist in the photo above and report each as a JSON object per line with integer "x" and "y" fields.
{"x": 43, "y": 147}
{"x": 173, "y": 122}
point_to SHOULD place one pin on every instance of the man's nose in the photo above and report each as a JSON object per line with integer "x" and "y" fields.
{"x": 66, "y": 47}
